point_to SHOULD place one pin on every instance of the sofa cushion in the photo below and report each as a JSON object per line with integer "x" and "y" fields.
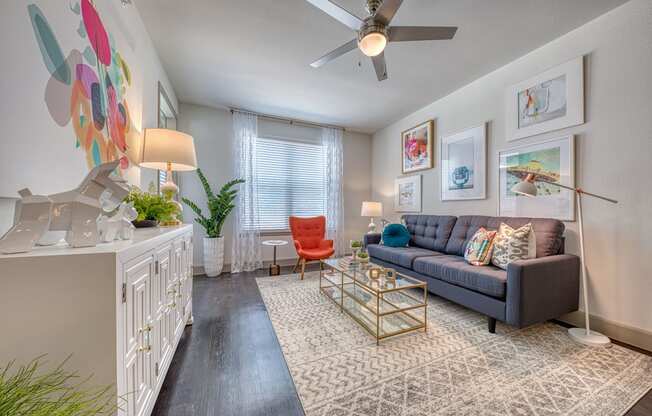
{"x": 396, "y": 235}
{"x": 549, "y": 232}
{"x": 402, "y": 256}
{"x": 488, "y": 280}
{"x": 429, "y": 231}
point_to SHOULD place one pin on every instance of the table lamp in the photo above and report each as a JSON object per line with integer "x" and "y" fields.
{"x": 372, "y": 209}
{"x": 528, "y": 188}
{"x": 168, "y": 150}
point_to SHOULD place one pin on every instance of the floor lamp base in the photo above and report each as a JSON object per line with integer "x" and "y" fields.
{"x": 593, "y": 338}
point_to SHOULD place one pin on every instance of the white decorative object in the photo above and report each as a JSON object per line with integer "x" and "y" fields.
{"x": 407, "y": 194}
{"x": 118, "y": 226}
{"x": 119, "y": 309}
{"x": 550, "y": 101}
{"x": 75, "y": 212}
{"x": 464, "y": 165}
{"x": 332, "y": 147}
{"x": 246, "y": 254}
{"x": 550, "y": 161}
{"x": 213, "y": 256}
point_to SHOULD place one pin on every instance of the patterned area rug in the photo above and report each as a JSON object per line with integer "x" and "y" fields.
{"x": 456, "y": 368}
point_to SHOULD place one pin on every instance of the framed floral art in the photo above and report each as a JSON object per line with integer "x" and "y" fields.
{"x": 417, "y": 146}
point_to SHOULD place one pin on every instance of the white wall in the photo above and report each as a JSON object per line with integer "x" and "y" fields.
{"x": 614, "y": 150}
{"x": 212, "y": 130}
{"x": 35, "y": 151}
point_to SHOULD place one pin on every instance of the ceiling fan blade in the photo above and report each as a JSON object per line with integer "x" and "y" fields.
{"x": 380, "y": 66}
{"x": 338, "y": 13}
{"x": 415, "y": 33}
{"x": 387, "y": 10}
{"x": 347, "y": 47}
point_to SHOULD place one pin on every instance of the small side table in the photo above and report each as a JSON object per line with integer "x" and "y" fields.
{"x": 274, "y": 269}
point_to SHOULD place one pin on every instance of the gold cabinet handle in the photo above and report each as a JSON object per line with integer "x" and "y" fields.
{"x": 147, "y": 348}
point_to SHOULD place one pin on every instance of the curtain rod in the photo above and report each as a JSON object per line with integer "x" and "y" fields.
{"x": 285, "y": 119}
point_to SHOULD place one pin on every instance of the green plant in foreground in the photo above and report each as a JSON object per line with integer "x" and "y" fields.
{"x": 363, "y": 255}
{"x": 219, "y": 206}
{"x": 152, "y": 206}
{"x": 31, "y": 391}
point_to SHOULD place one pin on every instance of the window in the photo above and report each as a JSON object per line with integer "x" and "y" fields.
{"x": 290, "y": 181}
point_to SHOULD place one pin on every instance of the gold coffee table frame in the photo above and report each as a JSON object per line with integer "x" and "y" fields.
{"x": 383, "y": 307}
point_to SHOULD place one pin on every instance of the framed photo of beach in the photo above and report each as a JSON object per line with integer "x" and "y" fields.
{"x": 464, "y": 164}
{"x": 417, "y": 147}
{"x": 550, "y": 161}
{"x": 407, "y": 194}
{"x": 550, "y": 101}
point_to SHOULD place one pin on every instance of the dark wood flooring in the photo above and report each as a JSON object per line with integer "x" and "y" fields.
{"x": 229, "y": 362}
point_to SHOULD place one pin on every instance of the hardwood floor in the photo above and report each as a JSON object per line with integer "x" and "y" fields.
{"x": 229, "y": 363}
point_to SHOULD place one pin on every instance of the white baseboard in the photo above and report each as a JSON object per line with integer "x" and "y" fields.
{"x": 629, "y": 335}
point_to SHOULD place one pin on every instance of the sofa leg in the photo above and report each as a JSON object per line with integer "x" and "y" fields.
{"x": 491, "y": 324}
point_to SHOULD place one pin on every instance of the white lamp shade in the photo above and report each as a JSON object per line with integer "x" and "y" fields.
{"x": 526, "y": 187}
{"x": 372, "y": 209}
{"x": 163, "y": 147}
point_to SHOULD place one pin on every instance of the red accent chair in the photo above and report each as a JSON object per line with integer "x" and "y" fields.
{"x": 308, "y": 235}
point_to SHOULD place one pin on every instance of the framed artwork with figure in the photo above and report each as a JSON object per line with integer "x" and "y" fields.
{"x": 417, "y": 147}
{"x": 550, "y": 101}
{"x": 464, "y": 164}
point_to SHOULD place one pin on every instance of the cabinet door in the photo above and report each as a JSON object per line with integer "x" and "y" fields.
{"x": 138, "y": 342}
{"x": 162, "y": 287}
{"x": 179, "y": 273}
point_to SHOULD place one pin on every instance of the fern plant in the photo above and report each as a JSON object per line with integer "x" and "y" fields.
{"x": 219, "y": 206}
{"x": 30, "y": 391}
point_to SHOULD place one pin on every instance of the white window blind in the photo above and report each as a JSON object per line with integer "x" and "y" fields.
{"x": 290, "y": 181}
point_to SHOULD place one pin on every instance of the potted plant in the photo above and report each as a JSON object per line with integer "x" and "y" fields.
{"x": 31, "y": 389}
{"x": 152, "y": 208}
{"x": 363, "y": 257}
{"x": 219, "y": 207}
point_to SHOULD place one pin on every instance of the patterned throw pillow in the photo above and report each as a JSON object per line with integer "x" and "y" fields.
{"x": 478, "y": 250}
{"x": 511, "y": 245}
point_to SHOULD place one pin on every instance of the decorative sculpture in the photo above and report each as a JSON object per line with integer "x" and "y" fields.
{"x": 75, "y": 212}
{"x": 118, "y": 226}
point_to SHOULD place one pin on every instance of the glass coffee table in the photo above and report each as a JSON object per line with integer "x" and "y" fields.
{"x": 383, "y": 306}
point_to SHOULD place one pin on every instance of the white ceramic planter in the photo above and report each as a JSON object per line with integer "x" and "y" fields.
{"x": 213, "y": 256}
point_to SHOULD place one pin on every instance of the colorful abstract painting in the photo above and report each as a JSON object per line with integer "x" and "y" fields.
{"x": 87, "y": 88}
{"x": 416, "y": 147}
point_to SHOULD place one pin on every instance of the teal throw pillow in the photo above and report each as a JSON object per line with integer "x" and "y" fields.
{"x": 396, "y": 235}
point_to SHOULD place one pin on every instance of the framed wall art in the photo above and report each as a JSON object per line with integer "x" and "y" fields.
{"x": 407, "y": 194}
{"x": 417, "y": 147}
{"x": 551, "y": 161}
{"x": 464, "y": 164}
{"x": 550, "y": 101}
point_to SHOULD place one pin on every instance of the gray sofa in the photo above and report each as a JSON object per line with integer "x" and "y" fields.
{"x": 528, "y": 292}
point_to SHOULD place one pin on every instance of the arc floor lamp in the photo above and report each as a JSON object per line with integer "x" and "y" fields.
{"x": 528, "y": 188}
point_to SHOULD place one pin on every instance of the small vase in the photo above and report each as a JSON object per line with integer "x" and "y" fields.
{"x": 213, "y": 256}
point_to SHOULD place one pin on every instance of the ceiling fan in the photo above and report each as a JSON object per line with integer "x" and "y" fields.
{"x": 374, "y": 32}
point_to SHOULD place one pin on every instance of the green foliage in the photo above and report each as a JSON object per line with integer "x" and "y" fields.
{"x": 219, "y": 206}
{"x": 363, "y": 255}
{"x": 152, "y": 206}
{"x": 30, "y": 391}
{"x": 356, "y": 244}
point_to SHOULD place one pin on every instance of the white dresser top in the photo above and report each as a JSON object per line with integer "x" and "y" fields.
{"x": 142, "y": 236}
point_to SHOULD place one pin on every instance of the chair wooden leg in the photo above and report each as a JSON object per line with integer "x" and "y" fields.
{"x": 303, "y": 267}
{"x": 296, "y": 266}
{"x": 321, "y": 265}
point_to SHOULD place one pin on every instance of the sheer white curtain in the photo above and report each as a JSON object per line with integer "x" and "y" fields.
{"x": 246, "y": 252}
{"x": 331, "y": 140}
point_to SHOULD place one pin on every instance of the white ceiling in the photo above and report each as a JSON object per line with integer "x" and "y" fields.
{"x": 255, "y": 54}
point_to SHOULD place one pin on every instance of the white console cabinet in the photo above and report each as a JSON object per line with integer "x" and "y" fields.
{"x": 118, "y": 310}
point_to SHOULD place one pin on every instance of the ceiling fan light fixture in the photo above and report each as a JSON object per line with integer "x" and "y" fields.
{"x": 373, "y": 44}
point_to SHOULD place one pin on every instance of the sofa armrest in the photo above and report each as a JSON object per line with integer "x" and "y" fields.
{"x": 373, "y": 238}
{"x": 542, "y": 289}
